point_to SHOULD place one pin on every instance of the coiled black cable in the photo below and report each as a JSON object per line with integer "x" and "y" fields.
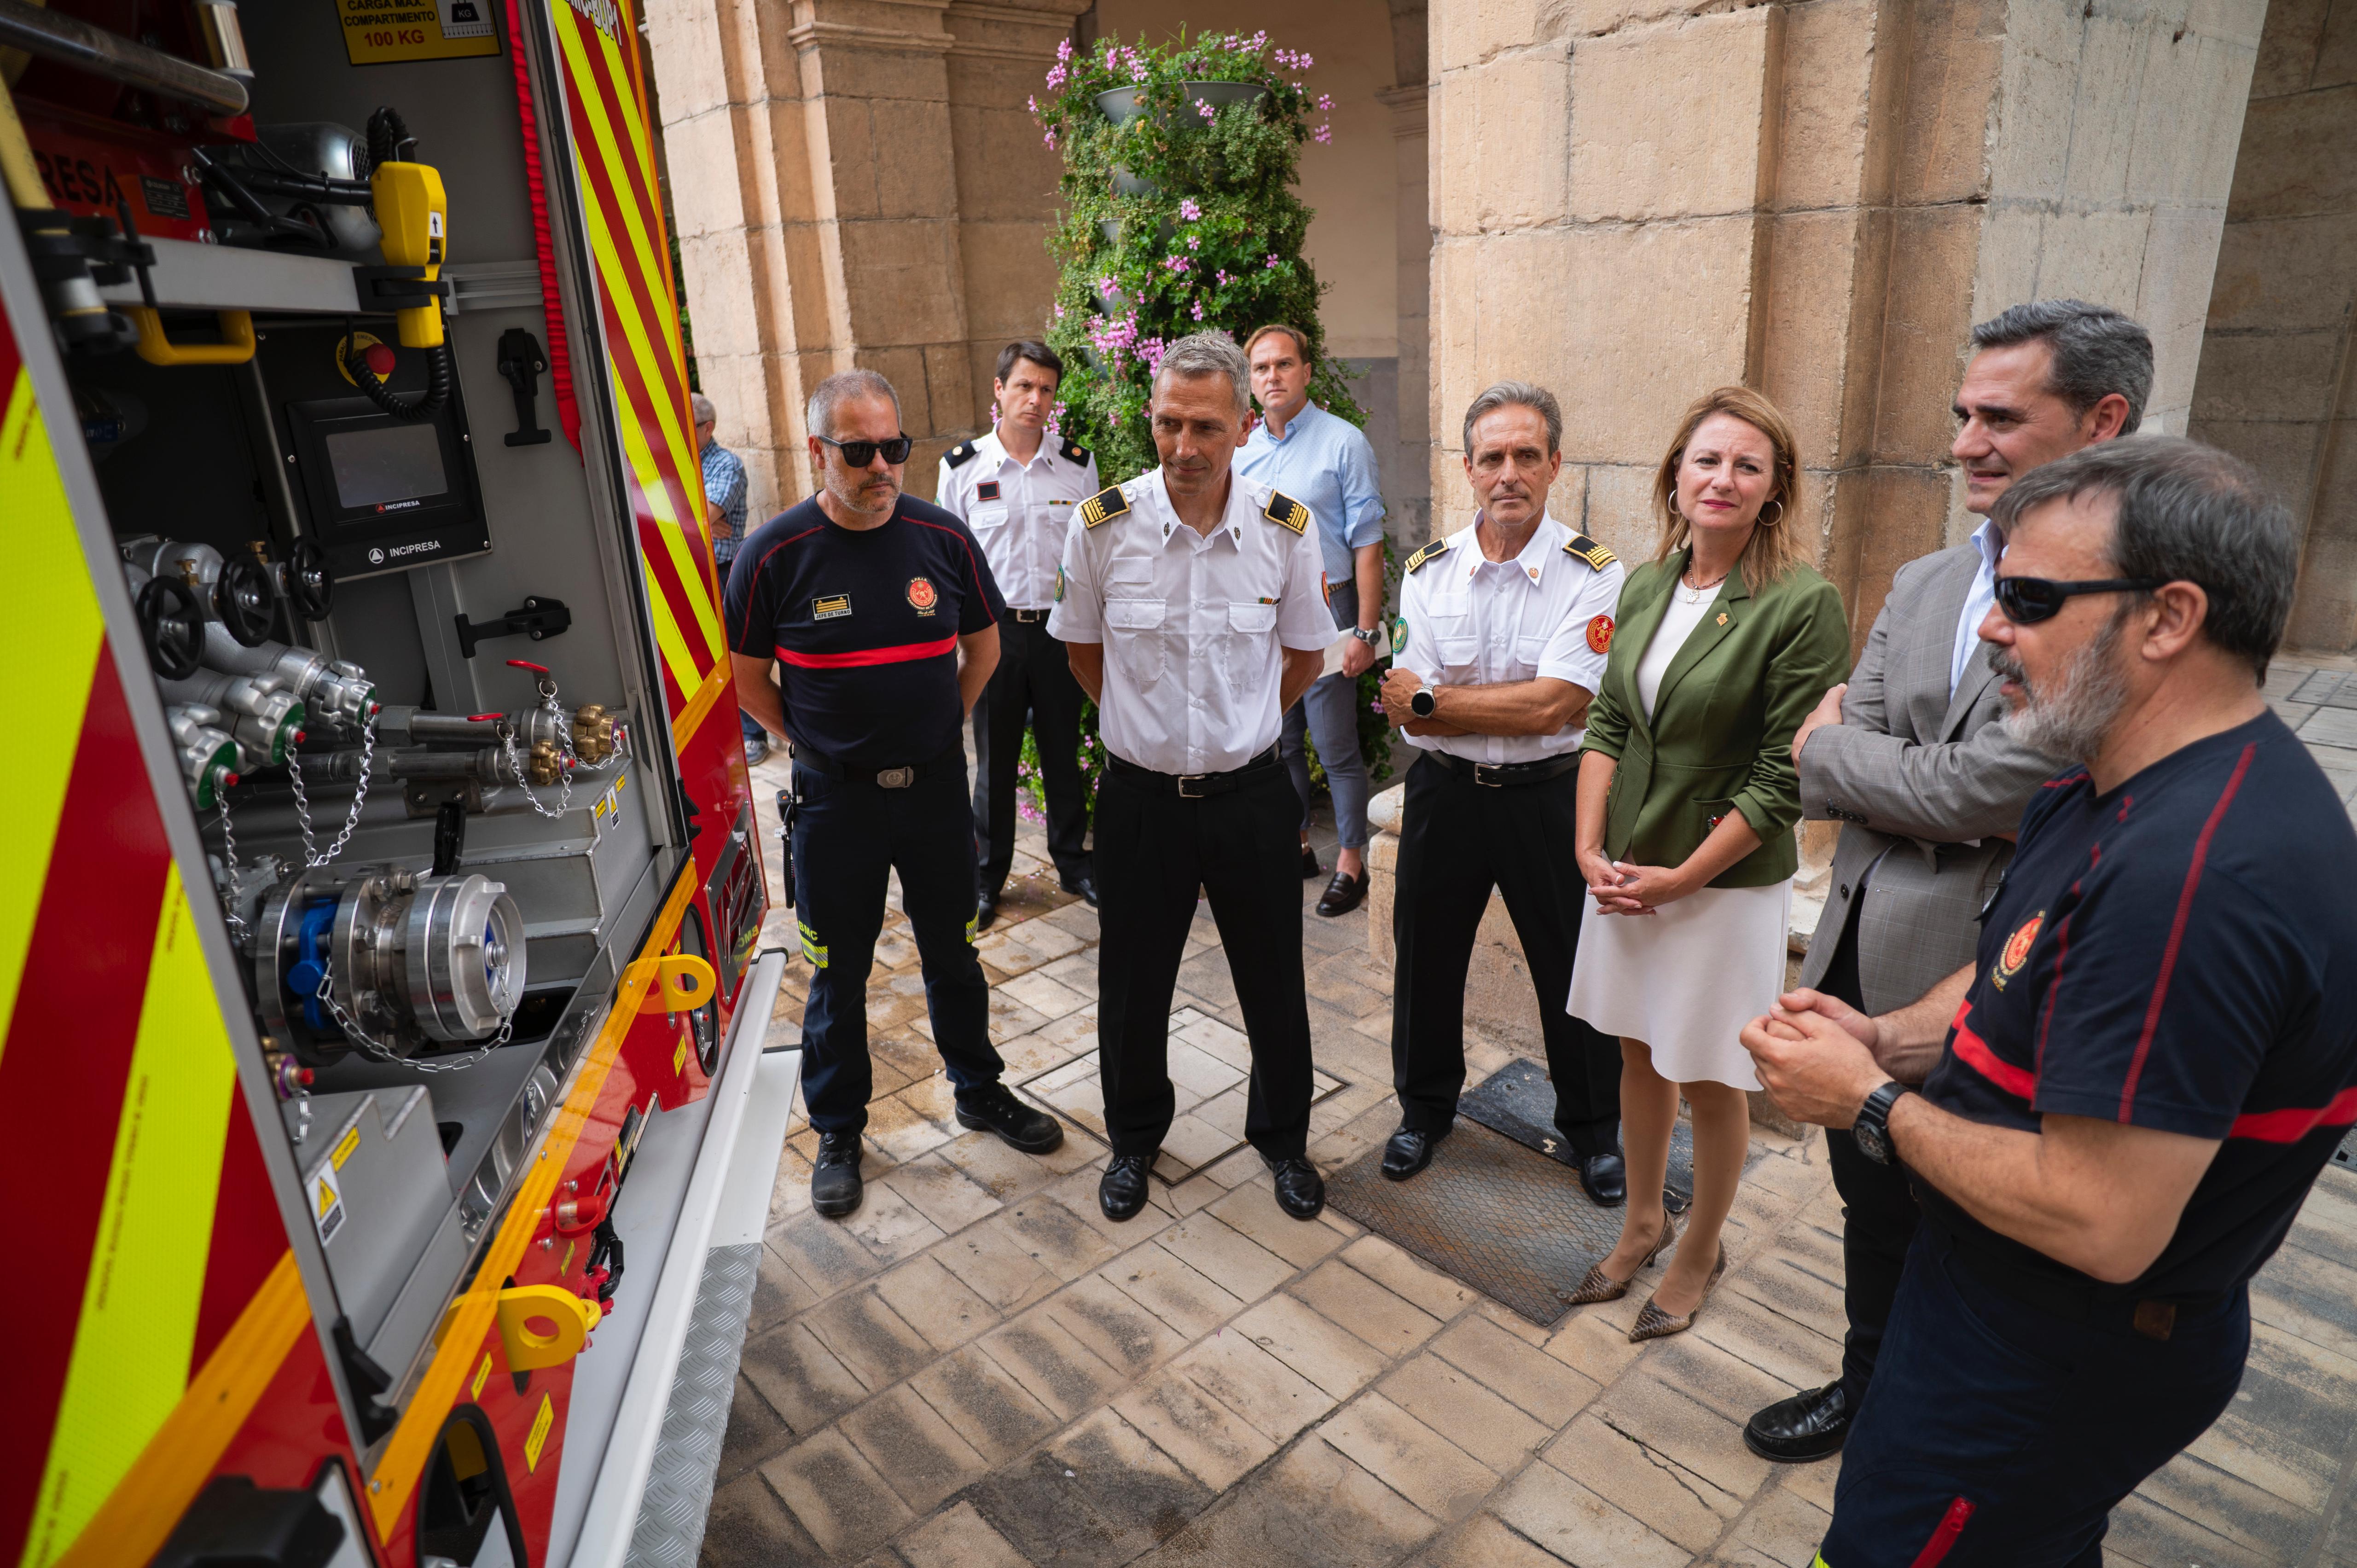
{"x": 430, "y": 401}
{"x": 388, "y": 140}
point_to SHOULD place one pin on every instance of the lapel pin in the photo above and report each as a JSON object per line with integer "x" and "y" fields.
{"x": 1722, "y": 617}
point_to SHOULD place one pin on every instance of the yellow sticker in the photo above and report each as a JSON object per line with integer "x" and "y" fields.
{"x": 379, "y": 32}
{"x": 482, "y": 1375}
{"x": 567, "y": 1266}
{"x": 327, "y": 1206}
{"x": 346, "y": 1146}
{"x": 679, "y": 1056}
{"x": 540, "y": 1426}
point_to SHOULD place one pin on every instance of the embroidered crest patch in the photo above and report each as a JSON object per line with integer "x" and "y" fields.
{"x": 922, "y": 595}
{"x": 1600, "y": 635}
{"x": 2017, "y": 950}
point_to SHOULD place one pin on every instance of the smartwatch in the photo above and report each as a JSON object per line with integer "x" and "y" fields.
{"x": 1367, "y": 635}
{"x": 1422, "y": 702}
{"x": 1872, "y": 1128}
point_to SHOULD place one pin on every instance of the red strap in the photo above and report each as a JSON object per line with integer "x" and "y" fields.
{"x": 1944, "y": 1539}
{"x": 1975, "y": 1054}
{"x": 2293, "y": 1123}
{"x": 906, "y": 653}
{"x": 560, "y": 357}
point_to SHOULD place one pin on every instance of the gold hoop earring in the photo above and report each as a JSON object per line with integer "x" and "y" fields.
{"x": 1779, "y": 515}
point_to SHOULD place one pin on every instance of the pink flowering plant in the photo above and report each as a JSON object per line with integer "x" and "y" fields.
{"x": 1179, "y": 215}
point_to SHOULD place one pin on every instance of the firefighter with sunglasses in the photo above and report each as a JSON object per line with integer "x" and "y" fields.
{"x": 882, "y": 616}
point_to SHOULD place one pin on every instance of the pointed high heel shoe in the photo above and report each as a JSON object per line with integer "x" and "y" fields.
{"x": 1653, "y": 1323}
{"x": 1597, "y": 1285}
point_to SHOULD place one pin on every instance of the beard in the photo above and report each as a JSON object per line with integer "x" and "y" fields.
{"x": 2069, "y": 716}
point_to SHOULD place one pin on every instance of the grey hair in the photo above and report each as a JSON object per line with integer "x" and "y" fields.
{"x": 702, "y": 407}
{"x": 840, "y": 388}
{"x": 1517, "y": 394}
{"x": 2097, "y": 351}
{"x": 2188, "y": 513}
{"x": 1209, "y": 354}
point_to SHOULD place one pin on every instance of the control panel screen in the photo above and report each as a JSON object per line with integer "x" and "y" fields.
{"x": 394, "y": 464}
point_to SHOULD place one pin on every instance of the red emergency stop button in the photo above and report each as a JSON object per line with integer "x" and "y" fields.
{"x": 379, "y": 357}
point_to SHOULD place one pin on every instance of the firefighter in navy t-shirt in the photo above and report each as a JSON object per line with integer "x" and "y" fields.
{"x": 2153, "y": 1055}
{"x": 883, "y": 620}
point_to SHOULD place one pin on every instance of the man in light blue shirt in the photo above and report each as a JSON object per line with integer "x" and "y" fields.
{"x": 1325, "y": 463}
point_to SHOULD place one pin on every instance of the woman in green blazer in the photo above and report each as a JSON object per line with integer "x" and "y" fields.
{"x": 1688, "y": 801}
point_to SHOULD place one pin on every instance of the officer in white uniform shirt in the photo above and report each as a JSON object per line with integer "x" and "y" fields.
{"x": 1194, "y": 608}
{"x": 1505, "y": 627}
{"x": 1017, "y": 490}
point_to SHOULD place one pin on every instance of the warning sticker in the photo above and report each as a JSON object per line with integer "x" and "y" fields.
{"x": 679, "y": 1057}
{"x": 346, "y": 1146}
{"x": 379, "y": 32}
{"x": 539, "y": 1438}
{"x": 327, "y": 1203}
{"x": 482, "y": 1375}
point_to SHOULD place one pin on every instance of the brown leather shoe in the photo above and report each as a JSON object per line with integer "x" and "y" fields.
{"x": 1595, "y": 1285}
{"x": 1653, "y": 1323}
{"x": 1343, "y": 893}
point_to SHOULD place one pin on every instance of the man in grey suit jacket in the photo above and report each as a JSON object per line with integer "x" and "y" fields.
{"x": 1915, "y": 760}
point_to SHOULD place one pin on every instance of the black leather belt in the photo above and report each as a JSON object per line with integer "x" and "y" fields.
{"x": 1501, "y": 775}
{"x": 882, "y": 778}
{"x": 1031, "y": 617}
{"x": 1195, "y": 786}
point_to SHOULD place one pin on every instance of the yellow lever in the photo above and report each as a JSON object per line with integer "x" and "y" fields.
{"x": 569, "y": 1317}
{"x": 683, "y": 984}
{"x": 235, "y": 348}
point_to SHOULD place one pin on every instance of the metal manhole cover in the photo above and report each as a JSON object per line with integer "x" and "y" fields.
{"x": 1519, "y": 1100}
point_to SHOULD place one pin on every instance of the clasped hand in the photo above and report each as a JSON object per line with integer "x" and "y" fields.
{"x": 1621, "y": 888}
{"x": 1816, "y": 1057}
{"x": 1399, "y": 688}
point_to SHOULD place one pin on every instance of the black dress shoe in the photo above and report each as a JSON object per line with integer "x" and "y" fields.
{"x": 1122, "y": 1191}
{"x": 1311, "y": 870}
{"x": 835, "y": 1184}
{"x": 996, "y": 1109}
{"x": 1343, "y": 893}
{"x": 1300, "y": 1190}
{"x": 1605, "y": 1178}
{"x": 1086, "y": 886}
{"x": 1408, "y": 1151}
{"x": 1809, "y": 1425}
{"x": 985, "y": 912}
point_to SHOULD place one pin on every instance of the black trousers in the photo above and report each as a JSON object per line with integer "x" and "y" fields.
{"x": 1880, "y": 1215}
{"x": 849, "y": 837}
{"x": 1458, "y": 840}
{"x": 1033, "y": 682}
{"x": 1154, "y": 850}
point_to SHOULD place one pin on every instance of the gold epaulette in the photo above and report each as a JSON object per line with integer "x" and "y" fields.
{"x": 1587, "y": 550}
{"x": 1284, "y": 511}
{"x": 1436, "y": 547}
{"x": 1106, "y": 503}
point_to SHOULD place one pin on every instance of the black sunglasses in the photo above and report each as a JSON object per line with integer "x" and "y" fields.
{"x": 859, "y": 453}
{"x": 2026, "y": 600}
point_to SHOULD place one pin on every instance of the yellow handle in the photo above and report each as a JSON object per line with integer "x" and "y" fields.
{"x": 235, "y": 348}
{"x": 683, "y": 984}
{"x": 528, "y": 1349}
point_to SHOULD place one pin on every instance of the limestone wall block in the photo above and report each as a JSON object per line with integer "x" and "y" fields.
{"x": 2284, "y": 452}
{"x": 2230, "y": 21}
{"x": 1587, "y": 19}
{"x": 2173, "y": 300}
{"x": 950, "y": 400}
{"x": 793, "y": 128}
{"x": 684, "y": 41}
{"x": 1955, "y": 58}
{"x": 913, "y": 180}
{"x": 876, "y": 74}
{"x": 1566, "y": 500}
{"x": 844, "y": 149}
{"x": 1813, "y": 303}
{"x": 906, "y": 287}
{"x": 721, "y": 297}
{"x": 1667, "y": 122}
{"x": 2280, "y": 376}
{"x": 1003, "y": 171}
{"x": 1514, "y": 166}
{"x": 2285, "y": 273}
{"x": 1824, "y": 124}
{"x": 2105, "y": 90}
{"x": 2095, "y": 255}
{"x": 2288, "y": 52}
{"x": 2325, "y": 613}
{"x": 903, "y": 364}
{"x": 1621, "y": 499}
{"x": 1010, "y": 280}
{"x": 706, "y": 190}
{"x": 1469, "y": 32}
{"x": 1653, "y": 316}
{"x": 818, "y": 302}
{"x": 2294, "y": 156}
{"x": 1927, "y": 315}
{"x": 1895, "y": 514}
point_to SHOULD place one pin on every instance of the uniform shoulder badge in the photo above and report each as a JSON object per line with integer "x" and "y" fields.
{"x": 1587, "y": 550}
{"x": 959, "y": 455}
{"x": 1074, "y": 453}
{"x": 1106, "y": 503}
{"x": 1285, "y": 512}
{"x": 1435, "y": 547}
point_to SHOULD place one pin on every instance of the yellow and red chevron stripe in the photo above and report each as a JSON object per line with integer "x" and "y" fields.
{"x": 613, "y": 156}
{"x": 150, "y": 1224}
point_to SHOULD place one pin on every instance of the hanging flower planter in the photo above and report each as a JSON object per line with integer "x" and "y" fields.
{"x": 1122, "y": 105}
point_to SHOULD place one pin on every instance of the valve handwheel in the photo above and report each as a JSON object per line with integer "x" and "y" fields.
{"x": 310, "y": 582}
{"x": 245, "y": 601}
{"x": 172, "y": 624}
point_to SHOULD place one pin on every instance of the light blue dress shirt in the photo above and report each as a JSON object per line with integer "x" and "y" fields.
{"x": 1324, "y": 462}
{"x": 1977, "y": 599}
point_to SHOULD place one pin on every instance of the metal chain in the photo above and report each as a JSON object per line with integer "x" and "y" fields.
{"x": 564, "y": 753}
{"x": 311, "y": 856}
{"x": 377, "y": 1050}
{"x": 228, "y": 855}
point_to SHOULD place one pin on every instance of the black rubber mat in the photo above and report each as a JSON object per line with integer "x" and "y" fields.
{"x": 1518, "y": 1101}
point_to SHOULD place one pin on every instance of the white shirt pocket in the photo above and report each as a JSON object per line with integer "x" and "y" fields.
{"x": 1140, "y": 654}
{"x": 1456, "y": 647}
{"x": 1528, "y": 651}
{"x": 988, "y": 515}
{"x": 1252, "y": 617}
{"x": 1136, "y": 615}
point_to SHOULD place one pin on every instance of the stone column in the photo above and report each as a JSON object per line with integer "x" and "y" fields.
{"x": 1637, "y": 200}
{"x": 2278, "y": 384}
{"x": 1409, "y": 521}
{"x": 831, "y": 161}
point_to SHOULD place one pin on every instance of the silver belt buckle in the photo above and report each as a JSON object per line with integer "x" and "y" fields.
{"x": 1185, "y": 780}
{"x": 1482, "y": 772}
{"x": 896, "y": 778}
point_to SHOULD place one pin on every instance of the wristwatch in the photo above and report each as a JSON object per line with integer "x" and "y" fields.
{"x": 1872, "y": 1128}
{"x": 1367, "y": 635}
{"x": 1422, "y": 702}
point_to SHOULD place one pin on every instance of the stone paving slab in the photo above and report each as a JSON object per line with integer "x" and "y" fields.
{"x": 979, "y": 1369}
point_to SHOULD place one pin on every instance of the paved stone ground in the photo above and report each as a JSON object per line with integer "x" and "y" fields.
{"x": 977, "y": 1370}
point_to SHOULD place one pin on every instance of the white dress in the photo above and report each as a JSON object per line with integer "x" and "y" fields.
{"x": 1686, "y": 978}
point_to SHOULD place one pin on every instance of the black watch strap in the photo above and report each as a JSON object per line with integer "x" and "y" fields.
{"x": 1872, "y": 1128}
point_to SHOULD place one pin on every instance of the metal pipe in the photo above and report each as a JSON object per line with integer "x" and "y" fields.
{"x": 76, "y": 44}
